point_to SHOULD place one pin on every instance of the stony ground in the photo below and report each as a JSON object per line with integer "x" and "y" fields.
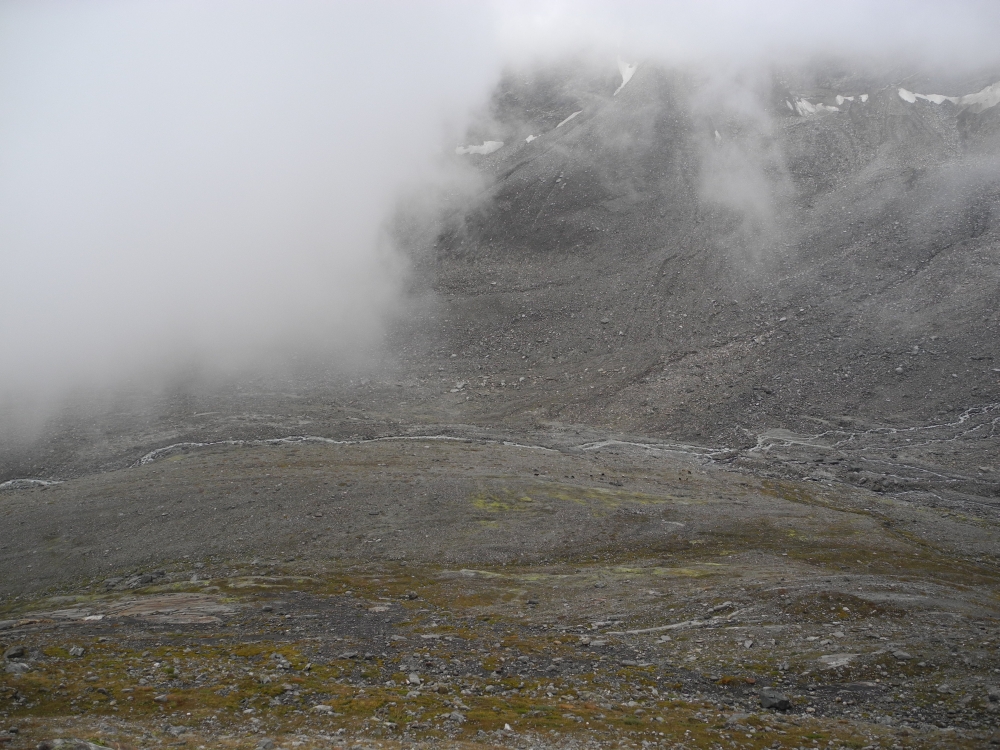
{"x": 470, "y": 593}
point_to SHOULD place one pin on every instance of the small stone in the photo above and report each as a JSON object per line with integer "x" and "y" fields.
{"x": 902, "y": 655}
{"x": 412, "y": 595}
{"x": 322, "y": 708}
{"x": 348, "y": 655}
{"x": 160, "y": 698}
{"x": 15, "y": 652}
{"x": 456, "y": 716}
{"x": 771, "y": 698}
{"x": 413, "y": 678}
{"x": 993, "y": 693}
{"x": 17, "y": 667}
{"x": 266, "y": 744}
{"x": 76, "y": 651}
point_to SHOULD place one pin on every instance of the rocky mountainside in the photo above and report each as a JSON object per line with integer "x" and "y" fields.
{"x": 718, "y": 260}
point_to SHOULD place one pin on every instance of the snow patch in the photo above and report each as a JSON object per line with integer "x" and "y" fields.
{"x": 842, "y": 99}
{"x": 718, "y": 135}
{"x": 804, "y": 107}
{"x": 627, "y": 71}
{"x": 864, "y": 98}
{"x": 530, "y": 138}
{"x": 488, "y": 147}
{"x": 569, "y": 118}
{"x": 977, "y": 102}
{"x": 988, "y": 97}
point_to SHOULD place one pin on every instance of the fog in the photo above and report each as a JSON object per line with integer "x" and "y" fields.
{"x": 207, "y": 185}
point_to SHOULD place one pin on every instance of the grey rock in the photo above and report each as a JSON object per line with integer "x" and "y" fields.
{"x": 456, "y": 716}
{"x": 77, "y": 651}
{"x": 70, "y": 744}
{"x": 266, "y": 744}
{"x": 17, "y": 667}
{"x": 15, "y": 652}
{"x": 771, "y": 698}
{"x": 7, "y": 624}
{"x": 902, "y": 655}
{"x": 993, "y": 693}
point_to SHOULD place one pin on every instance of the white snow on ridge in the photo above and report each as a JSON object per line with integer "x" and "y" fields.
{"x": 627, "y": 71}
{"x": 977, "y": 102}
{"x": 567, "y": 119}
{"x": 988, "y": 97}
{"x": 530, "y": 138}
{"x": 805, "y": 108}
{"x": 488, "y": 147}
